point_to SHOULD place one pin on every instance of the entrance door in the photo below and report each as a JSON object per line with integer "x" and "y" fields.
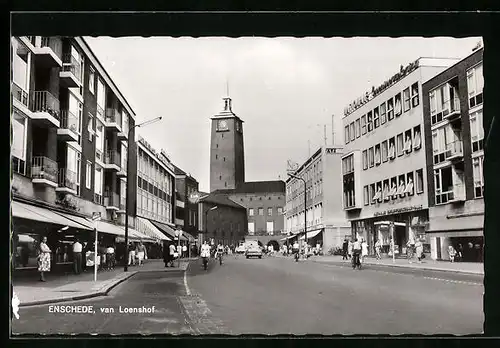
{"x": 399, "y": 236}
{"x": 438, "y": 248}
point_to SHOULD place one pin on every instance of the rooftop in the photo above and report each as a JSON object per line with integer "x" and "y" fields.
{"x": 220, "y": 199}
{"x": 257, "y": 187}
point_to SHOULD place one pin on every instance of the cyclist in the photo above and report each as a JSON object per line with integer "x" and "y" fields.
{"x": 295, "y": 250}
{"x": 205, "y": 254}
{"x": 219, "y": 252}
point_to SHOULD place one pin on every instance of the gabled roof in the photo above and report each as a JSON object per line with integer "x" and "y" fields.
{"x": 221, "y": 199}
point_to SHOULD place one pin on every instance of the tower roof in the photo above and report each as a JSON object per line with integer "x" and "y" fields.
{"x": 227, "y": 111}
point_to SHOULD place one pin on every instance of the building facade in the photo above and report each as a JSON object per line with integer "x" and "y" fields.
{"x": 326, "y": 220}
{"x": 186, "y": 213}
{"x": 70, "y": 136}
{"x": 384, "y": 166}
{"x": 453, "y": 122}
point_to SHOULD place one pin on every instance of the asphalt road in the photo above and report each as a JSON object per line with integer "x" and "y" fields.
{"x": 276, "y": 296}
{"x": 279, "y": 296}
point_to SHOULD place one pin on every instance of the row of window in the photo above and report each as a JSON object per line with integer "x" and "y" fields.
{"x": 260, "y": 198}
{"x": 403, "y": 143}
{"x": 314, "y": 217}
{"x": 312, "y": 173}
{"x": 150, "y": 169}
{"x": 151, "y": 188}
{"x": 383, "y": 113}
{"x": 279, "y": 211}
{"x": 269, "y": 227}
{"x": 150, "y": 206}
{"x": 394, "y": 188}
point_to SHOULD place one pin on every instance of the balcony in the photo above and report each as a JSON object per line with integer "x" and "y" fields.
{"x": 123, "y": 134}
{"x": 123, "y": 168}
{"x": 49, "y": 53}
{"x": 454, "y": 152}
{"x": 122, "y": 205}
{"x": 452, "y": 113}
{"x": 454, "y": 194}
{"x": 112, "y": 201}
{"x": 20, "y": 97}
{"x": 45, "y": 109}
{"x": 44, "y": 171}
{"x": 67, "y": 181}
{"x": 113, "y": 120}
{"x": 69, "y": 126}
{"x": 112, "y": 161}
{"x": 71, "y": 73}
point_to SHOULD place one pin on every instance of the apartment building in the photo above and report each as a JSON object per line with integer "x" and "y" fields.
{"x": 384, "y": 166}
{"x": 186, "y": 213}
{"x": 70, "y": 137}
{"x": 453, "y": 122}
{"x": 326, "y": 220}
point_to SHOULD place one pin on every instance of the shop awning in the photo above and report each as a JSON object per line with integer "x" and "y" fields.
{"x": 311, "y": 234}
{"x": 189, "y": 236}
{"x": 148, "y": 228}
{"x": 388, "y": 223}
{"x": 32, "y": 212}
{"x": 133, "y": 235}
{"x": 167, "y": 230}
{"x": 289, "y": 237}
{"x": 459, "y": 233}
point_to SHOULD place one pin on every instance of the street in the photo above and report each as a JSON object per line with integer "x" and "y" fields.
{"x": 278, "y": 296}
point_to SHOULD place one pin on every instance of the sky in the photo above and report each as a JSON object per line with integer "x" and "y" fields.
{"x": 284, "y": 89}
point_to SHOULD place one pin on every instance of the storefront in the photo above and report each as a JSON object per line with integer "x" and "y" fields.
{"x": 408, "y": 227}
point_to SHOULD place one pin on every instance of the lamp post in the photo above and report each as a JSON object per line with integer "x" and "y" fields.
{"x": 305, "y": 207}
{"x": 129, "y": 169}
{"x": 178, "y": 234}
{"x": 206, "y": 219}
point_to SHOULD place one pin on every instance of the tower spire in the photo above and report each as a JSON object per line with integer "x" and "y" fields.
{"x": 227, "y": 88}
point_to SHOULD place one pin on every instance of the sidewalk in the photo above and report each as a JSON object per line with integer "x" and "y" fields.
{"x": 76, "y": 287}
{"x": 459, "y": 267}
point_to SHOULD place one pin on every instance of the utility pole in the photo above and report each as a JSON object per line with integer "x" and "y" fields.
{"x": 333, "y": 130}
{"x": 324, "y": 131}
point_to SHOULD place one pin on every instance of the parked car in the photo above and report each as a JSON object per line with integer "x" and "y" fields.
{"x": 253, "y": 252}
{"x": 240, "y": 249}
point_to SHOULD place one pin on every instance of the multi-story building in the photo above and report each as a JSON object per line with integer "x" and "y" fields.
{"x": 453, "y": 123}
{"x": 384, "y": 166}
{"x": 326, "y": 220}
{"x": 70, "y": 135}
{"x": 186, "y": 211}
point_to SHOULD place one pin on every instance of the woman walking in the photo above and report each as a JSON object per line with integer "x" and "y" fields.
{"x": 378, "y": 245}
{"x": 364, "y": 250}
{"x": 420, "y": 250}
{"x": 43, "y": 259}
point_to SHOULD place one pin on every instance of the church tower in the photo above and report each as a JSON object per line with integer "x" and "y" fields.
{"x": 227, "y": 157}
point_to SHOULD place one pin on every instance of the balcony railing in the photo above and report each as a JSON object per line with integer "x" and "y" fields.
{"x": 454, "y": 193}
{"x": 20, "y": 94}
{"x": 112, "y": 157}
{"x": 111, "y": 199}
{"x": 112, "y": 115}
{"x": 67, "y": 178}
{"x": 69, "y": 121}
{"x": 72, "y": 65}
{"x": 43, "y": 101}
{"x": 44, "y": 168}
{"x": 54, "y": 43}
{"x": 454, "y": 149}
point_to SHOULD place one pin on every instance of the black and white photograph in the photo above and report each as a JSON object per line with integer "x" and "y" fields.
{"x": 252, "y": 185}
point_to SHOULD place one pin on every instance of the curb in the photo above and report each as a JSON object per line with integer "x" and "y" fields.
{"x": 407, "y": 267}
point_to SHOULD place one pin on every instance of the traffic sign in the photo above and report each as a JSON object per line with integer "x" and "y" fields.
{"x": 194, "y": 197}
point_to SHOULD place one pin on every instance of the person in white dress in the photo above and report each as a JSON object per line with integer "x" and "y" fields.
{"x": 364, "y": 250}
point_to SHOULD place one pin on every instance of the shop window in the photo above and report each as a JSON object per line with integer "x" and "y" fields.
{"x": 401, "y": 185}
{"x": 378, "y": 193}
{"x": 366, "y": 194}
{"x": 397, "y": 105}
{"x": 351, "y": 132}
{"x": 390, "y": 109}
{"x": 417, "y": 138}
{"x": 475, "y": 84}
{"x": 363, "y": 125}
{"x": 419, "y": 181}
{"x": 365, "y": 159}
{"x": 377, "y": 155}
{"x": 394, "y": 188}
{"x": 371, "y": 157}
{"x": 392, "y": 148}
{"x": 372, "y": 193}
{"x": 406, "y": 99}
{"x": 385, "y": 151}
{"x": 477, "y": 131}
{"x": 409, "y": 189}
{"x": 376, "y": 118}
{"x": 383, "y": 116}
{"x": 358, "y": 128}
{"x": 408, "y": 142}
{"x": 414, "y": 95}
{"x": 387, "y": 189}
{"x": 443, "y": 181}
{"x": 370, "y": 121}
{"x": 346, "y": 135}
{"x": 400, "y": 144}
{"x": 477, "y": 165}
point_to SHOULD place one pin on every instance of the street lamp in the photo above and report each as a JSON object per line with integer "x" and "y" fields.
{"x": 129, "y": 169}
{"x": 305, "y": 207}
{"x": 206, "y": 219}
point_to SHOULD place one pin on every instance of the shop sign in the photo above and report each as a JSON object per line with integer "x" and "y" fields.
{"x": 403, "y": 72}
{"x": 398, "y": 210}
{"x": 331, "y": 150}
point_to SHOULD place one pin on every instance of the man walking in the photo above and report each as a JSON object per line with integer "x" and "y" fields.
{"x": 77, "y": 257}
{"x": 345, "y": 247}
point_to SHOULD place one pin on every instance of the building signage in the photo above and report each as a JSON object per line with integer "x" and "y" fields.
{"x": 399, "y": 210}
{"x": 330, "y": 151}
{"x": 403, "y": 72}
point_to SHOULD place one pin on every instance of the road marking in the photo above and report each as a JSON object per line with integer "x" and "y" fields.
{"x": 454, "y": 281}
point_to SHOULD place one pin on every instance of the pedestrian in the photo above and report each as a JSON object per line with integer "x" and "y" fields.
{"x": 110, "y": 257}
{"x": 141, "y": 253}
{"x": 460, "y": 252}
{"x": 179, "y": 250}
{"x": 378, "y": 245}
{"x": 364, "y": 250}
{"x": 43, "y": 258}
{"x": 131, "y": 255}
{"x": 345, "y": 251}
{"x": 172, "y": 254}
{"x": 419, "y": 250}
{"x": 77, "y": 257}
{"x": 350, "y": 249}
{"x": 451, "y": 253}
{"x": 184, "y": 251}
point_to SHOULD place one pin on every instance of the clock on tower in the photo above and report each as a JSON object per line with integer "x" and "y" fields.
{"x": 222, "y": 125}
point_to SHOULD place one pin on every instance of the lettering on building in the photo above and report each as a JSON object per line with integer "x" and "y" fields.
{"x": 330, "y": 151}
{"x": 403, "y": 72}
{"x": 398, "y": 210}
